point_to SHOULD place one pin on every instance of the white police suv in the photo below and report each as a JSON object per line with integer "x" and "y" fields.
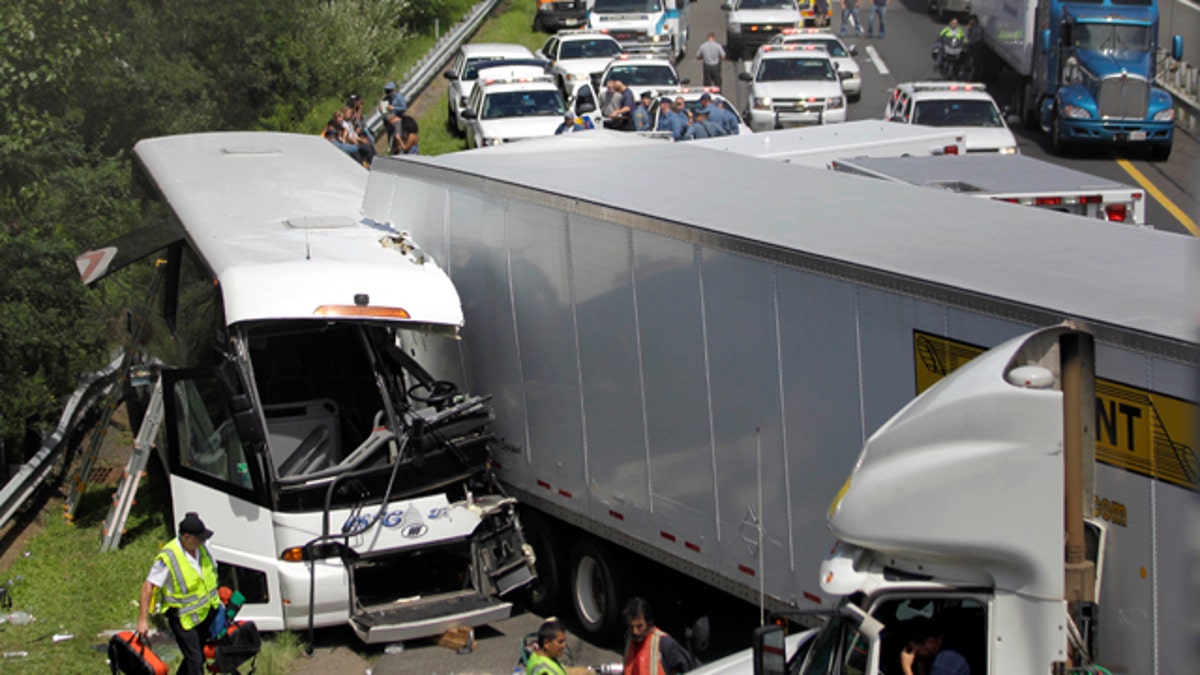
{"x": 841, "y": 53}
{"x": 792, "y": 86}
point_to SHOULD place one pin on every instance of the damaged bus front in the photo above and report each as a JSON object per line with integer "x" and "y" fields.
{"x": 300, "y": 348}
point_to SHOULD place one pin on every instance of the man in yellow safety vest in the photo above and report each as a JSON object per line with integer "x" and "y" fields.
{"x": 183, "y": 579}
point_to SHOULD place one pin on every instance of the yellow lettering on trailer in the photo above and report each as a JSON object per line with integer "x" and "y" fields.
{"x": 1136, "y": 429}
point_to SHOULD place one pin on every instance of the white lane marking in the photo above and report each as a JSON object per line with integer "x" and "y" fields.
{"x": 877, "y": 60}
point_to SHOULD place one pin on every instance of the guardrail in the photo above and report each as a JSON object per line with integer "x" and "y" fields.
{"x": 1182, "y": 80}
{"x": 422, "y": 72}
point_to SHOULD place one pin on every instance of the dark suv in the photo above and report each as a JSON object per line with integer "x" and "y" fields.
{"x": 554, "y": 15}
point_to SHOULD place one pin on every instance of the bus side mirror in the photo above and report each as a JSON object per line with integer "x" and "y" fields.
{"x": 1177, "y": 47}
{"x": 770, "y": 655}
{"x": 246, "y": 420}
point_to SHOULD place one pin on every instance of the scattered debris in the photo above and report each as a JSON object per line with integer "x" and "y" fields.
{"x": 461, "y": 640}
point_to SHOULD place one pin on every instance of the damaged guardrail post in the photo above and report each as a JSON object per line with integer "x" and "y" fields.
{"x": 1182, "y": 80}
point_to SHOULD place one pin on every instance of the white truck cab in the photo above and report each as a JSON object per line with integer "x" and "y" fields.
{"x": 965, "y": 106}
{"x": 752, "y": 23}
{"x": 516, "y": 103}
{"x": 657, "y": 27}
{"x": 463, "y": 72}
{"x": 793, "y": 86}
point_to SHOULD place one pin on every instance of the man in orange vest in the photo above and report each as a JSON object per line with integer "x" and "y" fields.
{"x": 183, "y": 579}
{"x": 648, "y": 649}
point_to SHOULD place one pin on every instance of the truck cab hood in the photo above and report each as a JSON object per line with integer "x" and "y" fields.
{"x": 950, "y": 482}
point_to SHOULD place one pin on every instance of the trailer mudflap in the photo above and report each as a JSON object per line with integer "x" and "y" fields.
{"x": 423, "y": 617}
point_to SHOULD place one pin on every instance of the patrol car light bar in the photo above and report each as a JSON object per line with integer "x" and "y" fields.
{"x": 792, "y": 48}
{"x": 520, "y": 80}
{"x": 949, "y": 86}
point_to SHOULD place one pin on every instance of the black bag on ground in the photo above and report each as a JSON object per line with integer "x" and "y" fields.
{"x": 237, "y": 646}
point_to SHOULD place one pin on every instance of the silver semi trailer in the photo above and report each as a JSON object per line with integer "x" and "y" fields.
{"x": 687, "y": 350}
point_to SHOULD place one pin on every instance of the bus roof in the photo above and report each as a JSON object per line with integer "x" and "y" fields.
{"x": 278, "y": 220}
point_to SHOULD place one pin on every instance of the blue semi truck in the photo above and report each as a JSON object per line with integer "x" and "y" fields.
{"x": 1087, "y": 69}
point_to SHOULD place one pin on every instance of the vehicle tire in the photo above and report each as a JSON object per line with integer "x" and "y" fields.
{"x": 598, "y": 588}
{"x": 546, "y": 592}
{"x": 538, "y": 27}
{"x": 1058, "y": 144}
{"x": 1160, "y": 153}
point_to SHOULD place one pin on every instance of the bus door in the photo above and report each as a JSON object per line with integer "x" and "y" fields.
{"x": 215, "y": 460}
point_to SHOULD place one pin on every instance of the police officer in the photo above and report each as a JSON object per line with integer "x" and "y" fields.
{"x": 184, "y": 579}
{"x": 669, "y": 120}
{"x": 703, "y": 127}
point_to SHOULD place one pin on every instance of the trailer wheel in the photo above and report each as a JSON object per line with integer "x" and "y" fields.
{"x": 545, "y": 592}
{"x": 597, "y": 589}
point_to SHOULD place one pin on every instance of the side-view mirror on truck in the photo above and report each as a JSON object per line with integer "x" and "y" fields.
{"x": 1177, "y": 47}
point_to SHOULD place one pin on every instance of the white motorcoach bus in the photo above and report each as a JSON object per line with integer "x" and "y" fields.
{"x": 304, "y": 417}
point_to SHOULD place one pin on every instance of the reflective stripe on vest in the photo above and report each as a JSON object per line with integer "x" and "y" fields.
{"x": 191, "y": 606}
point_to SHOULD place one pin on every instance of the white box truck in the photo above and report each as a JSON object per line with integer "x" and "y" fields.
{"x": 685, "y": 368}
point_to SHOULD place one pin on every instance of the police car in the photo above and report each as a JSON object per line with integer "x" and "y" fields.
{"x": 791, "y": 86}
{"x": 517, "y": 102}
{"x": 462, "y": 75}
{"x": 691, "y": 99}
{"x": 962, "y": 106}
{"x": 752, "y": 23}
{"x": 841, "y": 53}
{"x": 578, "y": 56}
{"x": 640, "y": 73}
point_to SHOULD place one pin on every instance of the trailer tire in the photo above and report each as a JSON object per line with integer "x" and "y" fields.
{"x": 598, "y": 587}
{"x": 545, "y": 592}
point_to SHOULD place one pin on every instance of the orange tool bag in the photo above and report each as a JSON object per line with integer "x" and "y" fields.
{"x": 128, "y": 654}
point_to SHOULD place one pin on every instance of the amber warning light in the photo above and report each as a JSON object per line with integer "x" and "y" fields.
{"x": 357, "y": 311}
